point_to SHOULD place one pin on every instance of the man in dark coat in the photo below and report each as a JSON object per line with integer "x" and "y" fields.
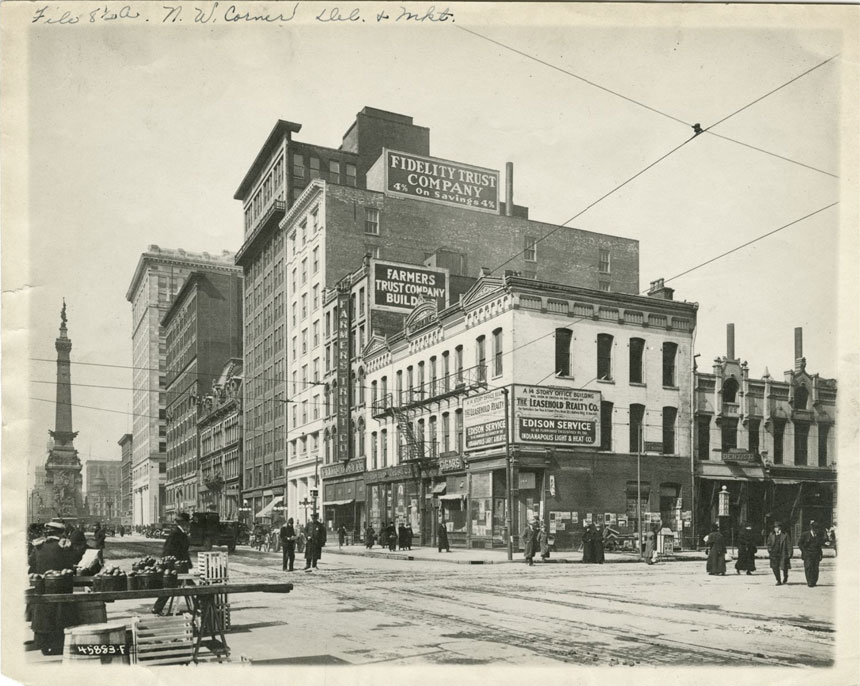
{"x": 391, "y": 534}
{"x": 288, "y": 545}
{"x": 315, "y": 536}
{"x": 810, "y": 550}
{"x": 369, "y": 537}
{"x": 746, "y": 551}
{"x": 99, "y": 536}
{"x": 409, "y": 536}
{"x": 716, "y": 565}
{"x": 592, "y": 545}
{"x": 530, "y": 541}
{"x": 49, "y": 621}
{"x": 176, "y": 544}
{"x": 779, "y": 550}
{"x": 401, "y": 537}
{"x": 442, "y": 537}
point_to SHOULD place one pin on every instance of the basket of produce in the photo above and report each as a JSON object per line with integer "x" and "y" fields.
{"x": 110, "y": 579}
{"x": 171, "y": 579}
{"x": 168, "y": 562}
{"x": 62, "y": 581}
{"x": 133, "y": 581}
{"x": 182, "y": 566}
{"x": 144, "y": 580}
{"x": 37, "y": 583}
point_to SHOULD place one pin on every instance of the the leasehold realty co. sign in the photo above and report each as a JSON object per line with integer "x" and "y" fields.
{"x": 400, "y": 287}
{"x": 442, "y": 181}
{"x": 547, "y": 415}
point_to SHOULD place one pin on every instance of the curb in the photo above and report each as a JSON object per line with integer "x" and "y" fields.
{"x": 520, "y": 560}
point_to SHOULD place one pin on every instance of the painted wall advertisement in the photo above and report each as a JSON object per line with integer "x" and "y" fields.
{"x": 343, "y": 370}
{"x": 548, "y": 415}
{"x": 399, "y": 287}
{"x": 441, "y": 181}
{"x": 556, "y": 416}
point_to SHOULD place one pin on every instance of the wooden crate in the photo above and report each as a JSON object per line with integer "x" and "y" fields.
{"x": 212, "y": 568}
{"x": 162, "y": 640}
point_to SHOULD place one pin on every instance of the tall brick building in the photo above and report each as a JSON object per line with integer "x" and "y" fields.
{"x": 312, "y": 212}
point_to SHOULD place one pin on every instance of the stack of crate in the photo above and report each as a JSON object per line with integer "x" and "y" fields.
{"x": 212, "y": 569}
{"x": 162, "y": 640}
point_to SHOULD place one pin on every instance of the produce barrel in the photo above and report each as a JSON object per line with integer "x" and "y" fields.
{"x": 91, "y": 612}
{"x": 59, "y": 584}
{"x": 103, "y": 642}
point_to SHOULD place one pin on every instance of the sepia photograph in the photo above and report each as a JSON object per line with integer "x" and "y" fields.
{"x": 479, "y": 341}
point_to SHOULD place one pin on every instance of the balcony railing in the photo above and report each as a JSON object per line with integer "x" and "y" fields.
{"x": 436, "y": 389}
{"x": 427, "y": 450}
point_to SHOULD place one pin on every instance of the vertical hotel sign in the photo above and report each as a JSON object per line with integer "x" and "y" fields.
{"x": 441, "y": 181}
{"x": 343, "y": 376}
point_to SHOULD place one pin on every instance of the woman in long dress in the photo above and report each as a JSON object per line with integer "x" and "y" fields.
{"x": 746, "y": 551}
{"x": 716, "y": 552}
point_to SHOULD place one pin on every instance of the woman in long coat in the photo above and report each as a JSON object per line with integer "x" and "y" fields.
{"x": 597, "y": 543}
{"x": 716, "y": 552}
{"x": 530, "y": 543}
{"x": 587, "y": 546}
{"x": 746, "y": 551}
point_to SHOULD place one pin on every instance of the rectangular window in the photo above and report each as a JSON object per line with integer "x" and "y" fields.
{"x": 703, "y": 437}
{"x": 316, "y": 258}
{"x": 361, "y": 302}
{"x": 299, "y": 166}
{"x": 458, "y": 423}
{"x": 316, "y": 330}
{"x": 383, "y": 448}
{"x": 637, "y": 349}
{"x": 604, "y": 356}
{"x": 350, "y": 175}
{"x": 316, "y": 298}
{"x": 497, "y": 352}
{"x": 729, "y": 434}
{"x": 823, "y": 433}
{"x": 637, "y": 415}
{"x": 458, "y": 363}
{"x": 334, "y": 171}
{"x": 530, "y": 250}
{"x": 753, "y": 435}
{"x": 303, "y": 231}
{"x": 372, "y": 251}
{"x": 604, "y": 261}
{"x": 304, "y": 271}
{"x": 446, "y": 371}
{"x": 315, "y": 167}
{"x": 446, "y": 432}
{"x": 801, "y": 441}
{"x": 371, "y": 220}
{"x": 433, "y": 389}
{"x": 605, "y": 425}
{"x": 481, "y": 357}
{"x": 670, "y": 351}
{"x": 373, "y": 449}
{"x": 670, "y": 414}
{"x": 604, "y": 286}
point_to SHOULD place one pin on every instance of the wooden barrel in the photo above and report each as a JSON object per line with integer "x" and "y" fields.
{"x": 91, "y": 612}
{"x": 106, "y": 643}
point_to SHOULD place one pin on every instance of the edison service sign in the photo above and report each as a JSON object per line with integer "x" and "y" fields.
{"x": 399, "y": 288}
{"x": 556, "y": 416}
{"x": 442, "y": 181}
{"x": 484, "y": 420}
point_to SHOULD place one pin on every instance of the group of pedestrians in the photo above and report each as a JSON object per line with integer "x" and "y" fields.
{"x": 391, "y": 537}
{"x": 535, "y": 541}
{"x": 314, "y": 536}
{"x": 780, "y": 550}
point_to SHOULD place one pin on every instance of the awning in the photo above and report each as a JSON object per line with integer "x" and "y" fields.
{"x": 452, "y": 496}
{"x": 329, "y": 503}
{"x": 439, "y": 488}
{"x": 267, "y": 511}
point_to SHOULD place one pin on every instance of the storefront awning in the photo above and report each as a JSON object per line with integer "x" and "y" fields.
{"x": 329, "y": 503}
{"x": 439, "y": 488}
{"x": 267, "y": 511}
{"x": 452, "y": 496}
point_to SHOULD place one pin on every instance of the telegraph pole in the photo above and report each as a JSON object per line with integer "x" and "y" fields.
{"x": 639, "y": 487}
{"x": 510, "y": 478}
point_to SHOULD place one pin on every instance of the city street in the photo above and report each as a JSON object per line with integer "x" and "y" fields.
{"x": 369, "y": 610}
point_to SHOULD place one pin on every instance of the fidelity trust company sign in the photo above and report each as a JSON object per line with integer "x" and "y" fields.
{"x": 441, "y": 181}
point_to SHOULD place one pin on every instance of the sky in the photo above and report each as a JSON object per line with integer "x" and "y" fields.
{"x": 139, "y": 133}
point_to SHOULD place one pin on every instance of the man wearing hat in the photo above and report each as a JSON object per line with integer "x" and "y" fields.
{"x": 52, "y": 551}
{"x": 810, "y": 550}
{"x": 530, "y": 540}
{"x": 176, "y": 544}
{"x": 779, "y": 550}
{"x": 315, "y": 539}
{"x": 49, "y": 621}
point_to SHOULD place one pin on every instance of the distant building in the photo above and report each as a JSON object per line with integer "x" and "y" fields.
{"x": 125, "y": 498}
{"x": 159, "y": 275}
{"x": 103, "y": 495}
{"x": 220, "y": 429}
{"x": 202, "y": 331}
{"x": 768, "y": 444}
{"x": 311, "y": 211}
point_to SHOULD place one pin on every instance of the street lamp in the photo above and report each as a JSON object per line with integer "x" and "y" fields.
{"x": 306, "y": 504}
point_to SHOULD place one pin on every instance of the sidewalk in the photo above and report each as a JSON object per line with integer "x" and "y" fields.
{"x": 483, "y": 556}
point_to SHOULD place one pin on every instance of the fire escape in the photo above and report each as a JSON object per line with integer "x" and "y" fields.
{"x": 414, "y": 401}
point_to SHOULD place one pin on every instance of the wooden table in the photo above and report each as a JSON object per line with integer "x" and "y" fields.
{"x": 203, "y": 597}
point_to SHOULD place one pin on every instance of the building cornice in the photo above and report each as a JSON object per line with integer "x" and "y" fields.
{"x": 180, "y": 258}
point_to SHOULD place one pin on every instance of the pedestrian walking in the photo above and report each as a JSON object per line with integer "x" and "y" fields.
{"x": 288, "y": 545}
{"x": 530, "y": 541}
{"x": 176, "y": 544}
{"x": 746, "y": 551}
{"x": 369, "y": 537}
{"x": 99, "y": 535}
{"x": 409, "y": 536}
{"x": 716, "y": 565}
{"x": 779, "y": 550}
{"x": 121, "y": 531}
{"x": 442, "y": 537}
{"x": 401, "y": 537}
{"x": 543, "y": 542}
{"x": 315, "y": 537}
{"x": 648, "y": 552}
{"x": 592, "y": 545}
{"x": 391, "y": 536}
{"x": 341, "y": 536}
{"x": 810, "y": 544}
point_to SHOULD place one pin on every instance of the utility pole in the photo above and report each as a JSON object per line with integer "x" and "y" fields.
{"x": 639, "y": 486}
{"x": 510, "y": 478}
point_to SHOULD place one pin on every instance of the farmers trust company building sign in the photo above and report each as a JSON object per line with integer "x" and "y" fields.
{"x": 441, "y": 181}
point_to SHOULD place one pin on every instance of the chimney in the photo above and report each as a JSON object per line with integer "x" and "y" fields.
{"x": 485, "y": 271}
{"x": 799, "y": 359}
{"x": 658, "y": 290}
{"x": 730, "y": 341}
{"x": 509, "y": 189}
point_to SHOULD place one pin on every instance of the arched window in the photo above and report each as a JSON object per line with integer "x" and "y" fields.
{"x": 604, "y": 356}
{"x": 801, "y": 398}
{"x": 327, "y": 447}
{"x": 361, "y": 379}
{"x": 730, "y": 390}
